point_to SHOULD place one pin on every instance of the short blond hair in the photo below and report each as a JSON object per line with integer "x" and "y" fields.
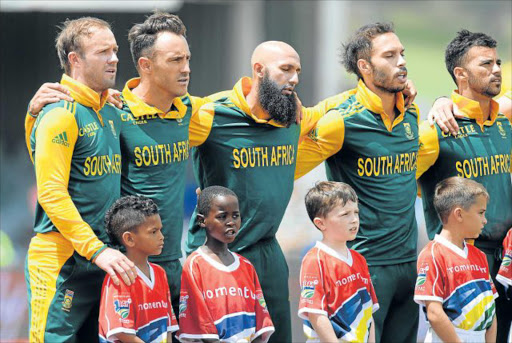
{"x": 456, "y": 191}
{"x": 69, "y": 38}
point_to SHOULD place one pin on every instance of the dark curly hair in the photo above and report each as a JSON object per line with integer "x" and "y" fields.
{"x": 456, "y": 51}
{"x": 204, "y": 203}
{"x": 360, "y": 45}
{"x": 142, "y": 37}
{"x": 126, "y": 214}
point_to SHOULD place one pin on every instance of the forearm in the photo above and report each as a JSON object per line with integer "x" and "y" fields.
{"x": 371, "y": 336}
{"x": 442, "y": 326}
{"x": 490, "y": 334}
{"x": 128, "y": 338}
{"x": 323, "y": 327}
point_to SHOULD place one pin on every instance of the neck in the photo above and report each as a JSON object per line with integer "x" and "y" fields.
{"x": 216, "y": 247}
{"x": 75, "y": 75}
{"x": 388, "y": 99}
{"x": 452, "y": 235}
{"x": 339, "y": 246}
{"x": 153, "y": 95}
{"x": 253, "y": 101}
{"x": 140, "y": 260}
{"x": 483, "y": 100}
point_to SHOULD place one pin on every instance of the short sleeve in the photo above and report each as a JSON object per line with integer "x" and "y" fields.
{"x": 505, "y": 272}
{"x": 172, "y": 322}
{"x": 194, "y": 318}
{"x": 431, "y": 276}
{"x": 264, "y": 325}
{"x": 312, "y": 291}
{"x": 117, "y": 310}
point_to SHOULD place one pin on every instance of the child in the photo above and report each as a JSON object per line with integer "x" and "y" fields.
{"x": 337, "y": 298}
{"x": 221, "y": 297}
{"x": 505, "y": 273}
{"x": 141, "y": 312}
{"x": 453, "y": 284}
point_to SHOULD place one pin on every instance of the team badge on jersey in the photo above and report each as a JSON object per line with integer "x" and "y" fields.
{"x": 408, "y": 131}
{"x": 507, "y": 261}
{"x": 501, "y": 130}
{"x": 112, "y": 128}
{"x": 183, "y": 304}
{"x": 122, "y": 307}
{"x": 262, "y": 302}
{"x": 68, "y": 299}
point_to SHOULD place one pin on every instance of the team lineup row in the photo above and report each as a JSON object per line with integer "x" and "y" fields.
{"x": 370, "y": 138}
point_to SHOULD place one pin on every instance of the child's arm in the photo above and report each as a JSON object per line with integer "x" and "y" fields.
{"x": 126, "y": 337}
{"x": 323, "y": 327}
{"x": 490, "y": 334}
{"x": 440, "y": 322}
{"x": 371, "y": 336}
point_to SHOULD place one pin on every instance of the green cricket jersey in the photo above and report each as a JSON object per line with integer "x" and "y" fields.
{"x": 76, "y": 152}
{"x": 378, "y": 159}
{"x": 253, "y": 157}
{"x": 480, "y": 151}
{"x": 155, "y": 152}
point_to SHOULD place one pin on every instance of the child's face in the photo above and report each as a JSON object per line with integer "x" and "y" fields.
{"x": 474, "y": 217}
{"x": 341, "y": 223}
{"x": 148, "y": 237}
{"x": 223, "y": 221}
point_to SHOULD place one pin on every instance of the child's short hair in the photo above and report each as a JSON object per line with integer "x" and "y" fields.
{"x": 456, "y": 191}
{"x": 325, "y": 195}
{"x": 126, "y": 214}
{"x": 204, "y": 202}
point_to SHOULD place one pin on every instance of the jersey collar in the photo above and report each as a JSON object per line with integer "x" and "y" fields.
{"x": 232, "y": 267}
{"x": 149, "y": 282}
{"x": 330, "y": 251}
{"x": 373, "y": 102}
{"x": 85, "y": 95}
{"x": 139, "y": 108}
{"x": 237, "y": 96}
{"x": 461, "y": 252}
{"x": 471, "y": 109}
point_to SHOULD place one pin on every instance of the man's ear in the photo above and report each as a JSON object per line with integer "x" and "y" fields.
{"x": 128, "y": 239}
{"x": 364, "y": 66}
{"x": 74, "y": 59}
{"x": 144, "y": 64}
{"x": 319, "y": 222}
{"x": 461, "y": 74}
{"x": 258, "y": 70}
{"x": 200, "y": 219}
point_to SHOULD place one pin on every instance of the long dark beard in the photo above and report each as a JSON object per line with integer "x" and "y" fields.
{"x": 282, "y": 108}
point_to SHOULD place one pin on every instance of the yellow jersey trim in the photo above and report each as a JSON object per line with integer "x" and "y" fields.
{"x": 471, "y": 109}
{"x": 373, "y": 103}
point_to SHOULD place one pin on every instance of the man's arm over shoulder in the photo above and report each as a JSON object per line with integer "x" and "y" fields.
{"x": 201, "y": 124}
{"x": 56, "y": 135}
{"x": 428, "y": 151}
{"x": 311, "y": 115}
{"x": 323, "y": 141}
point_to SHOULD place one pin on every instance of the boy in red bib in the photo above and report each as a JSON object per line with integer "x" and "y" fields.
{"x": 221, "y": 297}
{"x": 337, "y": 297}
{"x": 454, "y": 285}
{"x": 141, "y": 312}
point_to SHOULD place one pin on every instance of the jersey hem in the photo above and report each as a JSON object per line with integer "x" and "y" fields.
{"x": 420, "y": 299}
{"x": 503, "y": 280}
{"x": 311, "y": 310}
{"x": 269, "y": 329}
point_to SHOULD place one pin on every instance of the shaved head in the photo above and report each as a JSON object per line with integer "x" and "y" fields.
{"x": 271, "y": 51}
